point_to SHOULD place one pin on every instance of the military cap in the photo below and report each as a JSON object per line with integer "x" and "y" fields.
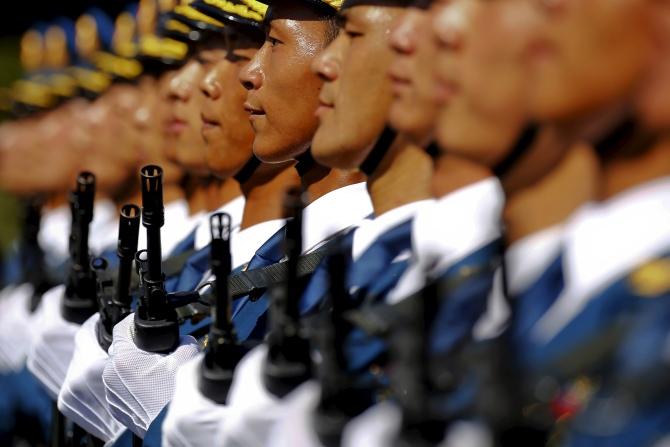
{"x": 330, "y": 6}
{"x": 156, "y": 53}
{"x": 187, "y": 24}
{"x": 119, "y": 60}
{"x": 250, "y": 13}
{"x": 93, "y": 33}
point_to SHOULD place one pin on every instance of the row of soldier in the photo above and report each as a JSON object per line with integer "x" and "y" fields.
{"x": 363, "y": 223}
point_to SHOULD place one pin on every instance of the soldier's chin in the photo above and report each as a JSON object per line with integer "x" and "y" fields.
{"x": 333, "y": 153}
{"x": 270, "y": 150}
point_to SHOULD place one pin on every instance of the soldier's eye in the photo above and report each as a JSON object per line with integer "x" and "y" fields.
{"x": 273, "y": 41}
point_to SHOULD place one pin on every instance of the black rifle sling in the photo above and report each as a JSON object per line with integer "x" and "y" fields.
{"x": 250, "y": 281}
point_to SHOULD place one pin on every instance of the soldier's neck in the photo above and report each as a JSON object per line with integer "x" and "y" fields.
{"x": 197, "y": 191}
{"x": 318, "y": 180}
{"x": 225, "y": 191}
{"x": 403, "y": 176}
{"x": 55, "y": 201}
{"x": 172, "y": 192}
{"x": 264, "y": 193}
{"x": 621, "y": 174}
{"x": 452, "y": 173}
{"x": 573, "y": 181}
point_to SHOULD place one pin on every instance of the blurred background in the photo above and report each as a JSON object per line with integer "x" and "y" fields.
{"x": 13, "y": 22}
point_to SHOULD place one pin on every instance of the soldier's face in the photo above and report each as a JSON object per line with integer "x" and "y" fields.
{"x": 225, "y": 124}
{"x": 480, "y": 78}
{"x": 413, "y": 109}
{"x": 282, "y": 91}
{"x": 356, "y": 96}
{"x": 125, "y": 103}
{"x": 101, "y": 152}
{"x": 184, "y": 143}
{"x": 654, "y": 97}
{"x": 584, "y": 55}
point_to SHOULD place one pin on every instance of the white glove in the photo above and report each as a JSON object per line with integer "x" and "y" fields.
{"x": 82, "y": 396}
{"x": 295, "y": 426}
{"x": 376, "y": 427}
{"x": 51, "y": 352}
{"x": 138, "y": 384}
{"x": 380, "y": 425}
{"x": 253, "y": 409}
{"x": 15, "y": 329}
{"x": 192, "y": 419}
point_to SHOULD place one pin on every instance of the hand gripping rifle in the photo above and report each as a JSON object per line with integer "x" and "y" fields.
{"x": 340, "y": 399}
{"x": 223, "y": 351}
{"x": 156, "y": 321}
{"x": 114, "y": 305}
{"x": 288, "y": 363}
{"x": 80, "y": 301}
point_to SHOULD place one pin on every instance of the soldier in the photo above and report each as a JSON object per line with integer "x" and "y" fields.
{"x": 565, "y": 341}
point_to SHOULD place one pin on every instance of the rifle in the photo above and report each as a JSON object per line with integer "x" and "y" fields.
{"x": 33, "y": 266}
{"x": 223, "y": 352}
{"x": 80, "y": 301}
{"x": 114, "y": 305}
{"x": 340, "y": 399}
{"x": 288, "y": 363}
{"x": 421, "y": 424}
{"x": 156, "y": 321}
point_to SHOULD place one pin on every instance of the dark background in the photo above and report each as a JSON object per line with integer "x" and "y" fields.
{"x": 17, "y": 17}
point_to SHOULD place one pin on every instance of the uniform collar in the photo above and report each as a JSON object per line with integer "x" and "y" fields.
{"x": 603, "y": 242}
{"x": 54, "y": 231}
{"x": 529, "y": 257}
{"x": 333, "y": 212}
{"x": 244, "y": 243}
{"x": 104, "y": 227}
{"x": 235, "y": 208}
{"x": 371, "y": 229}
{"x": 458, "y": 223}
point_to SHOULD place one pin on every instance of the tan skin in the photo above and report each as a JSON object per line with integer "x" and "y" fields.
{"x": 413, "y": 109}
{"x": 228, "y": 133}
{"x": 357, "y": 90}
{"x": 282, "y": 93}
{"x": 39, "y": 158}
{"x": 624, "y": 36}
{"x": 184, "y": 143}
{"x": 583, "y": 55}
{"x": 536, "y": 187}
{"x": 652, "y": 105}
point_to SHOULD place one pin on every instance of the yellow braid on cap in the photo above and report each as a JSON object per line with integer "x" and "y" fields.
{"x": 175, "y": 25}
{"x": 152, "y": 45}
{"x": 32, "y": 93}
{"x": 335, "y": 4}
{"x": 63, "y": 85}
{"x": 190, "y": 13}
{"x": 123, "y": 40}
{"x": 239, "y": 9}
{"x": 32, "y": 50}
{"x": 91, "y": 80}
{"x": 118, "y": 66}
{"x": 260, "y": 8}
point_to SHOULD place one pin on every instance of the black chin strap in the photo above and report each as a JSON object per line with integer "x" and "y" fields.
{"x": 247, "y": 170}
{"x": 433, "y": 150}
{"x": 627, "y": 138}
{"x": 305, "y": 163}
{"x": 520, "y": 148}
{"x": 376, "y": 155}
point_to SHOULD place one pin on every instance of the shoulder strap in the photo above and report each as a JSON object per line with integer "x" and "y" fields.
{"x": 250, "y": 281}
